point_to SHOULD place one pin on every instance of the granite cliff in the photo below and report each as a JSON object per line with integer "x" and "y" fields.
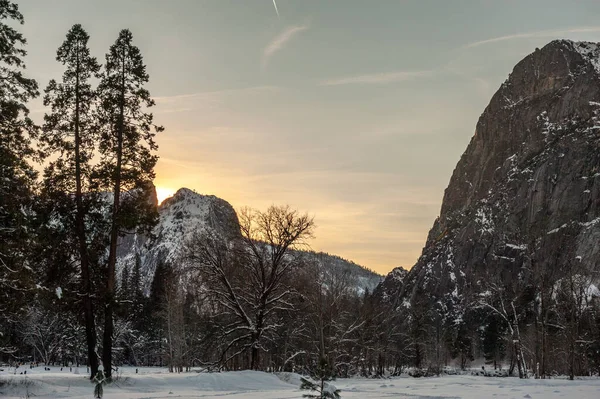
{"x": 526, "y": 192}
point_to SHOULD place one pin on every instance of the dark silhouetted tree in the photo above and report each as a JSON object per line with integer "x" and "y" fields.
{"x": 127, "y": 163}
{"x": 69, "y": 134}
{"x": 248, "y": 276}
{"x": 17, "y": 177}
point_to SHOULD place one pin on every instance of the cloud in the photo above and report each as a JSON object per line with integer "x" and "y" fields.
{"x": 539, "y": 34}
{"x": 280, "y": 41}
{"x": 378, "y": 78}
{"x": 208, "y": 99}
{"x": 216, "y": 93}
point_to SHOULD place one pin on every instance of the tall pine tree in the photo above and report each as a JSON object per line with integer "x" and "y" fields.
{"x": 17, "y": 177}
{"x": 127, "y": 163}
{"x": 69, "y": 133}
{"x": 135, "y": 286}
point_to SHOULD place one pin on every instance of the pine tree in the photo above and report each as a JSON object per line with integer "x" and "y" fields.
{"x": 17, "y": 177}
{"x": 158, "y": 289}
{"x": 155, "y": 306}
{"x": 322, "y": 374}
{"x": 68, "y": 132}
{"x": 99, "y": 380}
{"x": 124, "y": 295}
{"x": 494, "y": 341}
{"x": 125, "y": 290}
{"x": 15, "y": 88}
{"x": 127, "y": 163}
{"x": 137, "y": 291}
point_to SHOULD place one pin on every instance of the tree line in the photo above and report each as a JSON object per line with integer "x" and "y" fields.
{"x": 529, "y": 315}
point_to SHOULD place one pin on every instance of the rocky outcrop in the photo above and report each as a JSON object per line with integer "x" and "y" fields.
{"x": 188, "y": 212}
{"x": 392, "y": 285}
{"x": 180, "y": 216}
{"x": 526, "y": 192}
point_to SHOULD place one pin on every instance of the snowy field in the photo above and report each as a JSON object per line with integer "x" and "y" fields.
{"x": 155, "y": 383}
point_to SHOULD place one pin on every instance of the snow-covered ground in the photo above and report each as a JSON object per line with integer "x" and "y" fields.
{"x": 155, "y": 383}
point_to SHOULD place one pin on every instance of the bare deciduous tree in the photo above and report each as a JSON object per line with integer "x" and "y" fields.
{"x": 248, "y": 275}
{"x": 499, "y": 301}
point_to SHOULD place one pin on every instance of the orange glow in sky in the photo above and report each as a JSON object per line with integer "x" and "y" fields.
{"x": 162, "y": 193}
{"x": 259, "y": 110}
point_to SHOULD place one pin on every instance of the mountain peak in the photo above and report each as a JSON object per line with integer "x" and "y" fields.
{"x": 184, "y": 191}
{"x": 527, "y": 188}
{"x": 188, "y": 212}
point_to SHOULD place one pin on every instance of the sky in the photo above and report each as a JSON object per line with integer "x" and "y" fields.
{"x": 353, "y": 111}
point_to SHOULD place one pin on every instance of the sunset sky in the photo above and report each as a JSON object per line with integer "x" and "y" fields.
{"x": 353, "y": 111}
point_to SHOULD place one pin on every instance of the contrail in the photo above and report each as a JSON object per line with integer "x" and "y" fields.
{"x": 276, "y": 10}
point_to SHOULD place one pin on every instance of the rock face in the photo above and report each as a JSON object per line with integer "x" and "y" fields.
{"x": 188, "y": 212}
{"x": 526, "y": 192}
{"x": 392, "y": 285}
{"x": 179, "y": 217}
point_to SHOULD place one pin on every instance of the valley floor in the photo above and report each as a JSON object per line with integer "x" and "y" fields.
{"x": 156, "y": 383}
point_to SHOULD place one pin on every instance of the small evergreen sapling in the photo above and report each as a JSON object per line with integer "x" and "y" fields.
{"x": 100, "y": 380}
{"x": 322, "y": 389}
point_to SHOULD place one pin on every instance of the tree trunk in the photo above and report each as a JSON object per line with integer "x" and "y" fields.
{"x": 254, "y": 358}
{"x": 88, "y": 310}
{"x": 519, "y": 364}
{"x": 114, "y": 236}
{"x": 572, "y": 355}
{"x": 110, "y": 277}
{"x": 536, "y": 311}
{"x": 517, "y": 340}
{"x": 543, "y": 350}
{"x": 170, "y": 335}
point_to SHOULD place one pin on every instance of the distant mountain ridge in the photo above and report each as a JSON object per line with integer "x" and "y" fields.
{"x": 187, "y": 212}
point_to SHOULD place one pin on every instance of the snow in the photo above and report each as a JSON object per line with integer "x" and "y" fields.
{"x": 556, "y": 230}
{"x": 593, "y": 291}
{"x": 180, "y": 217}
{"x": 585, "y": 225}
{"x": 520, "y": 247}
{"x": 591, "y": 51}
{"x": 157, "y": 383}
{"x": 484, "y": 220}
{"x": 187, "y": 213}
{"x": 591, "y": 223}
{"x": 455, "y": 292}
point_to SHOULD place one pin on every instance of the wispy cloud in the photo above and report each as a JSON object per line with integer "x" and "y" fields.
{"x": 539, "y": 34}
{"x": 280, "y": 41}
{"x": 208, "y": 99}
{"x": 378, "y": 78}
{"x": 217, "y": 93}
